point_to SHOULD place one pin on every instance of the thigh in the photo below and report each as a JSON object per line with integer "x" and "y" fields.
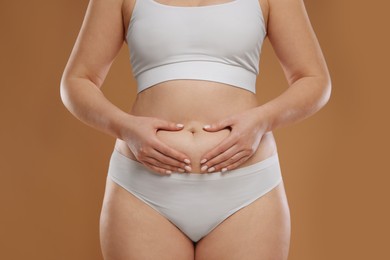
{"x": 131, "y": 229}
{"x": 260, "y": 230}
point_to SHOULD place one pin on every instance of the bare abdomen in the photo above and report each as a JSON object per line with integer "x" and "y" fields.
{"x": 195, "y": 104}
{"x": 193, "y": 141}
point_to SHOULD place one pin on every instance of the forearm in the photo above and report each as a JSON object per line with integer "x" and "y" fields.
{"x": 88, "y": 104}
{"x": 302, "y": 99}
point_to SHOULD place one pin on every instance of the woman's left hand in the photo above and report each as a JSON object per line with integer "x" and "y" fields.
{"x": 246, "y": 130}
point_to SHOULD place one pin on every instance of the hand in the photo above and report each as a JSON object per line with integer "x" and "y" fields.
{"x": 149, "y": 150}
{"x": 247, "y": 129}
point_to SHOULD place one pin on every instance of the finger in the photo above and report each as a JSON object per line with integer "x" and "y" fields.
{"x": 236, "y": 164}
{"x": 172, "y": 153}
{"x": 166, "y": 125}
{"x": 156, "y": 169}
{"x": 228, "y": 154}
{"x": 219, "y": 149}
{"x": 218, "y": 125}
{"x": 231, "y": 163}
{"x": 161, "y": 165}
{"x": 165, "y": 160}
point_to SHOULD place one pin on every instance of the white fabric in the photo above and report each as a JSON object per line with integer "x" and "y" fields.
{"x": 218, "y": 42}
{"x": 196, "y": 202}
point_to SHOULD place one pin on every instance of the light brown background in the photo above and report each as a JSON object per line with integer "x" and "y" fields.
{"x": 53, "y": 167}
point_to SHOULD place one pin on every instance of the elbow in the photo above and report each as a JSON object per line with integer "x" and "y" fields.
{"x": 68, "y": 93}
{"x": 324, "y": 92}
{"x": 64, "y": 92}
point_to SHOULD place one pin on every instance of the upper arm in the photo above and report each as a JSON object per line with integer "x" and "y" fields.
{"x": 100, "y": 39}
{"x": 294, "y": 41}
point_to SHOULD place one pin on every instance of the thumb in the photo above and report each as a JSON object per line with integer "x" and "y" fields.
{"x": 169, "y": 126}
{"x": 218, "y": 125}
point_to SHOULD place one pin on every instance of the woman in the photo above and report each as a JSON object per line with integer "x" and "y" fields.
{"x": 195, "y": 173}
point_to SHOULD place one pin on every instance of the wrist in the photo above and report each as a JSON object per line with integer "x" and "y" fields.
{"x": 121, "y": 124}
{"x": 265, "y": 118}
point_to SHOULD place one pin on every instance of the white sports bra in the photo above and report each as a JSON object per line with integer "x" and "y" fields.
{"x": 219, "y": 42}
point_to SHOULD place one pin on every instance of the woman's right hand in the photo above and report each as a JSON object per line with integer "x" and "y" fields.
{"x": 141, "y": 138}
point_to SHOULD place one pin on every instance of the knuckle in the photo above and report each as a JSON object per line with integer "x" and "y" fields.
{"x": 249, "y": 150}
{"x": 223, "y": 165}
{"x": 159, "y": 159}
{"x": 243, "y": 159}
{"x": 180, "y": 165}
{"x": 164, "y": 167}
{"x": 173, "y": 168}
{"x": 231, "y": 159}
{"x": 236, "y": 164}
{"x": 171, "y": 162}
{"x": 159, "y": 170}
{"x": 211, "y": 163}
{"x": 157, "y": 163}
{"x": 233, "y": 166}
{"x": 223, "y": 157}
{"x": 142, "y": 150}
{"x": 141, "y": 157}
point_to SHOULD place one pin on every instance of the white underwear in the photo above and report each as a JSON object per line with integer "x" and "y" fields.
{"x": 196, "y": 203}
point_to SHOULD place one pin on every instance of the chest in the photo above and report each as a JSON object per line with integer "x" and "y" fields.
{"x": 227, "y": 29}
{"x": 128, "y": 7}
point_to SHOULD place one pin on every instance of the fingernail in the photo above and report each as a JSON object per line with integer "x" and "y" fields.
{"x": 188, "y": 168}
{"x": 206, "y": 126}
{"x": 168, "y": 172}
{"x": 211, "y": 169}
{"x": 180, "y": 125}
{"x": 223, "y": 170}
{"x": 187, "y": 161}
{"x": 204, "y": 168}
{"x": 181, "y": 170}
{"x": 203, "y": 161}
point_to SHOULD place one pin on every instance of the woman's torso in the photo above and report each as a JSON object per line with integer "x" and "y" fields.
{"x": 194, "y": 103}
